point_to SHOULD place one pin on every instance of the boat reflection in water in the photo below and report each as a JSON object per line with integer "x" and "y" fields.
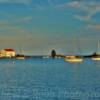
{"x": 73, "y": 59}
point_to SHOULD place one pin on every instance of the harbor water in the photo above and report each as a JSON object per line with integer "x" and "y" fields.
{"x": 49, "y": 79}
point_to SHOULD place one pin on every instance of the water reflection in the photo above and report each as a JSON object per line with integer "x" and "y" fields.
{"x": 39, "y": 79}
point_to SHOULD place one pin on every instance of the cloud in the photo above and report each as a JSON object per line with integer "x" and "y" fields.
{"x": 74, "y": 4}
{"x": 95, "y": 27}
{"x": 22, "y": 20}
{"x": 89, "y": 8}
{"x": 83, "y": 18}
{"x": 18, "y": 19}
{"x": 17, "y": 1}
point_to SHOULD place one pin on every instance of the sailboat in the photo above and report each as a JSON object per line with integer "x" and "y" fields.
{"x": 73, "y": 59}
{"x": 95, "y": 56}
{"x": 20, "y": 56}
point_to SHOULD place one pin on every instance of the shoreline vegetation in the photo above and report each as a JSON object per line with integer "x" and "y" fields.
{"x": 11, "y": 54}
{"x": 21, "y": 56}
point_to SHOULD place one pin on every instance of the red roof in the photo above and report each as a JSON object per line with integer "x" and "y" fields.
{"x": 8, "y": 49}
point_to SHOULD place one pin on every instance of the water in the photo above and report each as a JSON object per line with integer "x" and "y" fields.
{"x": 49, "y": 79}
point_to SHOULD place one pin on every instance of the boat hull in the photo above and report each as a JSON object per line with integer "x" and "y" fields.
{"x": 96, "y": 58}
{"x": 20, "y": 58}
{"x": 73, "y": 60}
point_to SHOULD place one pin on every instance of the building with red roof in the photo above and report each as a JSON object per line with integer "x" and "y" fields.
{"x": 7, "y": 53}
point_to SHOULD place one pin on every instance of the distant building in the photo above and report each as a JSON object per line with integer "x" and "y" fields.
{"x": 7, "y": 53}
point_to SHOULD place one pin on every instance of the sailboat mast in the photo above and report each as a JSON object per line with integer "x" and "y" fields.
{"x": 77, "y": 48}
{"x": 98, "y": 47}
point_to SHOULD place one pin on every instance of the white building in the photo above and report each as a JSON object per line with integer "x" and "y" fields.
{"x": 7, "y": 53}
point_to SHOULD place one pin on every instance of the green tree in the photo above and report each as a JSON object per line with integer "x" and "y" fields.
{"x": 53, "y": 53}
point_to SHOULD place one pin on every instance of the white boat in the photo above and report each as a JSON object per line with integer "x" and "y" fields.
{"x": 20, "y": 58}
{"x": 46, "y": 57}
{"x": 73, "y": 59}
{"x": 95, "y": 56}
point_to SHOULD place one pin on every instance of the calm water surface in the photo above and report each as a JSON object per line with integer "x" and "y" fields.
{"x": 49, "y": 79}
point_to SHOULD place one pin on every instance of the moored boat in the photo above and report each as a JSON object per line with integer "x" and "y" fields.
{"x": 73, "y": 59}
{"x": 20, "y": 57}
{"x": 97, "y": 58}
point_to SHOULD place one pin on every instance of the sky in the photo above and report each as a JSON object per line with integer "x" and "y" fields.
{"x": 38, "y": 26}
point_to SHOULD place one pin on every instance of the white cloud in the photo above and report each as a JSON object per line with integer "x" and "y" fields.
{"x": 95, "y": 27}
{"x": 16, "y": 1}
{"x": 23, "y": 19}
{"x": 83, "y": 18}
{"x": 74, "y": 4}
{"x": 90, "y": 8}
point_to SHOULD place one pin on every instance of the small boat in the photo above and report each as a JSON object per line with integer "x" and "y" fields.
{"x": 97, "y": 58}
{"x": 45, "y": 57}
{"x": 20, "y": 58}
{"x": 73, "y": 59}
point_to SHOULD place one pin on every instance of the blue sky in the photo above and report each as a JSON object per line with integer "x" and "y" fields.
{"x": 38, "y": 26}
